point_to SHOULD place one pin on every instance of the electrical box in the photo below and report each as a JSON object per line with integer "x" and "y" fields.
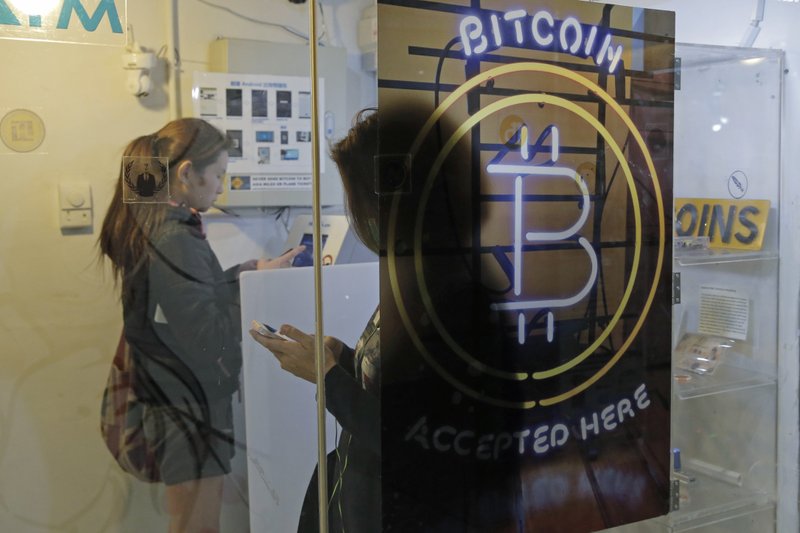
{"x": 251, "y": 57}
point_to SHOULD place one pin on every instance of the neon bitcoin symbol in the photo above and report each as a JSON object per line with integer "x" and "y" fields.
{"x": 532, "y": 171}
{"x": 509, "y": 385}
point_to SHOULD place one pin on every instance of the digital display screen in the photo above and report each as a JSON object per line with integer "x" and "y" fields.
{"x": 233, "y": 102}
{"x": 306, "y": 257}
{"x": 290, "y": 154}
{"x": 265, "y": 136}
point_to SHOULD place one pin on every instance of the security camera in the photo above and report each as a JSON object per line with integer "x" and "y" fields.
{"x": 138, "y": 65}
{"x": 138, "y": 83}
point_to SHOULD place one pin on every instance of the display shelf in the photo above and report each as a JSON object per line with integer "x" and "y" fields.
{"x": 726, "y": 378}
{"x": 724, "y": 519}
{"x": 708, "y": 499}
{"x": 729, "y": 416}
{"x": 719, "y": 256}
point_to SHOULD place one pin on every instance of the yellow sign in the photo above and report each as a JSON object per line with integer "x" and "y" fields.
{"x": 736, "y": 224}
{"x": 22, "y": 130}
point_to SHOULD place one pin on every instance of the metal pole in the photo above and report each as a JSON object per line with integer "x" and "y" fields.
{"x": 174, "y": 70}
{"x": 319, "y": 347}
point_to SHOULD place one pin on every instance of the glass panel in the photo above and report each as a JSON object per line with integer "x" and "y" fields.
{"x": 280, "y": 395}
{"x": 525, "y": 173}
{"x": 725, "y": 413}
{"x": 233, "y": 435}
{"x": 534, "y": 375}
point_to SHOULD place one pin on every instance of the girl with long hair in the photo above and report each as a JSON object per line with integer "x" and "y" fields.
{"x": 181, "y": 312}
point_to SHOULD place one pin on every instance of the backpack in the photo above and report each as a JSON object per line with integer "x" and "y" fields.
{"x": 122, "y": 419}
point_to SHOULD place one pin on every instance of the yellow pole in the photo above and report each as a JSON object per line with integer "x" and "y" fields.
{"x": 319, "y": 347}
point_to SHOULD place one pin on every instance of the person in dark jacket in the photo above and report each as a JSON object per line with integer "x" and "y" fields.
{"x": 181, "y": 315}
{"x": 352, "y": 375}
{"x": 385, "y": 474}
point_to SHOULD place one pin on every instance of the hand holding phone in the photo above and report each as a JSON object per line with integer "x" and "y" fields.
{"x": 267, "y": 331}
{"x": 295, "y": 350}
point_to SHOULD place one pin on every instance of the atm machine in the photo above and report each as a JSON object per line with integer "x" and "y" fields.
{"x": 280, "y": 409}
{"x": 339, "y": 243}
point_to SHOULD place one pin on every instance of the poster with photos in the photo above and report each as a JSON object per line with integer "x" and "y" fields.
{"x": 268, "y": 120}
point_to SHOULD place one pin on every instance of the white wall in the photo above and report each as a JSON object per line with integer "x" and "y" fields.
{"x": 59, "y": 315}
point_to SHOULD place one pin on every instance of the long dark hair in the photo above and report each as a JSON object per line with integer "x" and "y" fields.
{"x": 127, "y": 227}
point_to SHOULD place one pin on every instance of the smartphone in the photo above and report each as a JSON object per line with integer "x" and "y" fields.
{"x": 290, "y": 154}
{"x": 268, "y": 331}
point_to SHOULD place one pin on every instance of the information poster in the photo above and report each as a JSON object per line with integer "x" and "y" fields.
{"x": 268, "y": 120}
{"x": 525, "y": 182}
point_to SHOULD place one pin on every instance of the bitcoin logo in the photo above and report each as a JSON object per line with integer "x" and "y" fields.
{"x": 518, "y": 172}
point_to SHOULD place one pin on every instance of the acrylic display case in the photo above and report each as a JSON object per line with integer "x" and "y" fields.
{"x": 724, "y": 418}
{"x": 728, "y": 333}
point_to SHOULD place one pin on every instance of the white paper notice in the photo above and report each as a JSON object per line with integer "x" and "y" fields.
{"x": 724, "y": 312}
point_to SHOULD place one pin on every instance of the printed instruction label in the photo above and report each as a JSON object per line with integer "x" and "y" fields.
{"x": 265, "y": 182}
{"x": 724, "y": 312}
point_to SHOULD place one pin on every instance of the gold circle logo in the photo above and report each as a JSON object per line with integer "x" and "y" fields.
{"x": 583, "y": 358}
{"x": 22, "y": 130}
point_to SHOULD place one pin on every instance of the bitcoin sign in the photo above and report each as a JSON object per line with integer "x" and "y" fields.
{"x": 519, "y": 173}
